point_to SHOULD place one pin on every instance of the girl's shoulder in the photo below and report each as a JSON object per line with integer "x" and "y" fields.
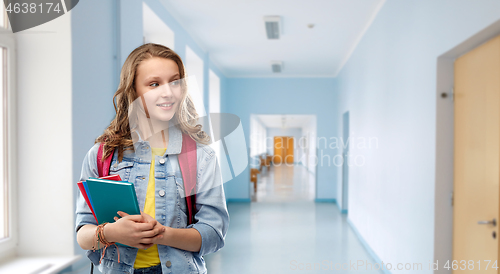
{"x": 94, "y": 149}
{"x": 92, "y": 152}
{"x": 89, "y": 167}
{"x": 204, "y": 150}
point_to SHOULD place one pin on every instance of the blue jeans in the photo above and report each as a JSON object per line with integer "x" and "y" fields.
{"x": 149, "y": 270}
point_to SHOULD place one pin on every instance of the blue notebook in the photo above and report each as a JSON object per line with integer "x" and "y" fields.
{"x": 87, "y": 191}
{"x": 108, "y": 197}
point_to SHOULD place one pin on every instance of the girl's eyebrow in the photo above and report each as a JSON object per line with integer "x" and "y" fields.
{"x": 158, "y": 78}
{"x": 151, "y": 78}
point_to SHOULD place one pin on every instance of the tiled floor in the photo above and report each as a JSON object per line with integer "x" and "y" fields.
{"x": 285, "y": 231}
{"x": 285, "y": 183}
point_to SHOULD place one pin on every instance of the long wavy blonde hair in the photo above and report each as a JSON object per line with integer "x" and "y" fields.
{"x": 117, "y": 135}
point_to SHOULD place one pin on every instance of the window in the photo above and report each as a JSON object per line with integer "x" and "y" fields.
{"x": 194, "y": 68}
{"x": 155, "y": 30}
{"x": 4, "y": 229}
{"x": 7, "y": 136}
{"x": 4, "y": 20}
{"x": 214, "y": 90}
{"x": 214, "y": 107}
{"x": 258, "y": 137}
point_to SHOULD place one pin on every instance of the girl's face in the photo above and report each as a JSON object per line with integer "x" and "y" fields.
{"x": 158, "y": 82}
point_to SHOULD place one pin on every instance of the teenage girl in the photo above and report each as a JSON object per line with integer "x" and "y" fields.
{"x": 159, "y": 239}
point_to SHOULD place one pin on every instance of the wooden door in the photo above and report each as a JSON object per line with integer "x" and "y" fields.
{"x": 289, "y": 150}
{"x": 279, "y": 149}
{"x": 477, "y": 159}
{"x": 283, "y": 150}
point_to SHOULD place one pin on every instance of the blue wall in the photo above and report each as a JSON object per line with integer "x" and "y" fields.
{"x": 389, "y": 88}
{"x": 246, "y": 96}
{"x": 94, "y": 73}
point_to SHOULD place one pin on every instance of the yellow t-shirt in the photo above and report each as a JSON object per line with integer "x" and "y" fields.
{"x": 150, "y": 257}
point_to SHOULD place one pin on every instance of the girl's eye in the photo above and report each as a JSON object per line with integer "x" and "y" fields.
{"x": 153, "y": 84}
{"x": 175, "y": 83}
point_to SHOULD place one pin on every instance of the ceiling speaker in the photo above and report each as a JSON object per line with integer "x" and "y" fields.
{"x": 276, "y": 66}
{"x": 273, "y": 26}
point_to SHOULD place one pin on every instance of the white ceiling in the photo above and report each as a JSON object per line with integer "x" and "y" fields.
{"x": 233, "y": 33}
{"x": 286, "y": 120}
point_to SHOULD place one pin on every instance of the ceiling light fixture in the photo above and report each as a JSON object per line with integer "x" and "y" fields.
{"x": 273, "y": 27}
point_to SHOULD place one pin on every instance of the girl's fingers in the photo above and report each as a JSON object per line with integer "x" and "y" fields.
{"x": 148, "y": 218}
{"x": 148, "y": 234}
{"x": 135, "y": 218}
{"x": 115, "y": 218}
{"x": 160, "y": 230}
{"x": 153, "y": 222}
{"x": 146, "y": 241}
{"x": 151, "y": 240}
{"x": 144, "y": 226}
{"x": 159, "y": 236}
{"x": 122, "y": 214}
{"x": 153, "y": 232}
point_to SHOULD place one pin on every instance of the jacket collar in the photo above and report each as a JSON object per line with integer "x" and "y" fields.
{"x": 174, "y": 142}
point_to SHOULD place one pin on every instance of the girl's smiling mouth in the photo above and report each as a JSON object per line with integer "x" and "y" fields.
{"x": 165, "y": 106}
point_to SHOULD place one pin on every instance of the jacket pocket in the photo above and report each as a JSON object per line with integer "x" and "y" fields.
{"x": 122, "y": 168}
{"x": 193, "y": 269}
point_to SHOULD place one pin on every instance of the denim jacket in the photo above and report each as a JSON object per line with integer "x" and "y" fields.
{"x": 211, "y": 218}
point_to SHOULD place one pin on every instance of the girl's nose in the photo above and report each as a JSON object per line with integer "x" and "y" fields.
{"x": 166, "y": 91}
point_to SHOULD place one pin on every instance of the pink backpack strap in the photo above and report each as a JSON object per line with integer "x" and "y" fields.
{"x": 103, "y": 167}
{"x": 187, "y": 162}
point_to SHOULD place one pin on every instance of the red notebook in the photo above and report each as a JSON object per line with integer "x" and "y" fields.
{"x": 115, "y": 177}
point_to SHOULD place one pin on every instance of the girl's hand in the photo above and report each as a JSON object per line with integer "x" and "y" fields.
{"x": 133, "y": 230}
{"x": 167, "y": 234}
{"x": 147, "y": 218}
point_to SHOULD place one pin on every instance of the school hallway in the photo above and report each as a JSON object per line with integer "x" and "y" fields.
{"x": 350, "y": 135}
{"x": 283, "y": 233}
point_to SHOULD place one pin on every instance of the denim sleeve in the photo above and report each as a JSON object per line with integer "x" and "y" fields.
{"x": 212, "y": 217}
{"x": 89, "y": 169}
